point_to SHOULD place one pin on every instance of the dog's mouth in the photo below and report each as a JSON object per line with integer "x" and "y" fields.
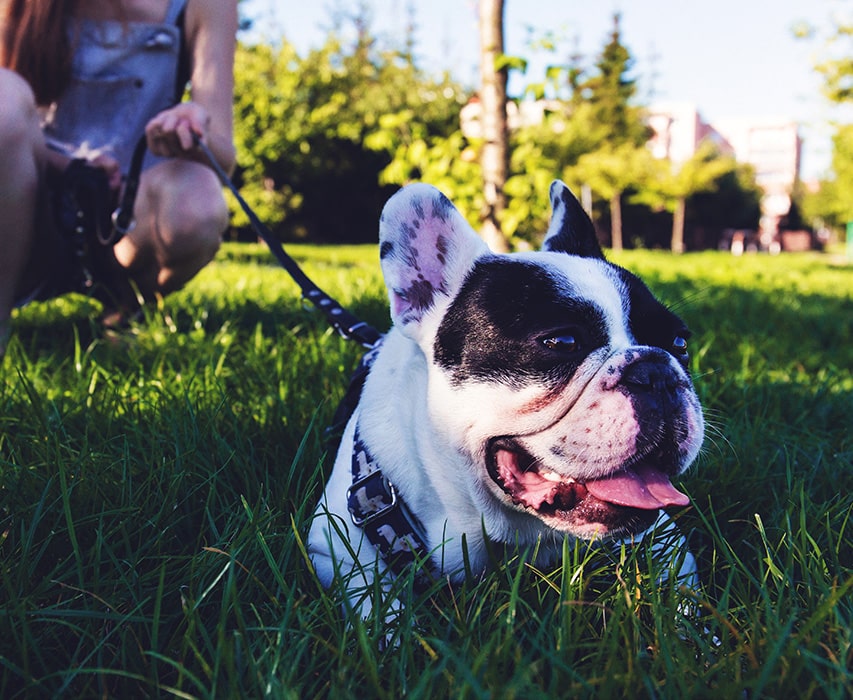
{"x": 625, "y": 500}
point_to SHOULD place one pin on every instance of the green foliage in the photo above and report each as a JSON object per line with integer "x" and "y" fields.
{"x": 832, "y": 205}
{"x": 156, "y": 489}
{"x": 732, "y": 201}
{"x": 450, "y": 163}
{"x": 596, "y": 136}
{"x": 609, "y": 172}
{"x": 670, "y": 187}
{"x": 842, "y": 167}
{"x": 348, "y": 123}
{"x": 837, "y": 68}
{"x": 699, "y": 173}
{"x": 321, "y": 128}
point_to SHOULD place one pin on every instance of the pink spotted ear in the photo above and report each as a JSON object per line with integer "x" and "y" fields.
{"x": 426, "y": 249}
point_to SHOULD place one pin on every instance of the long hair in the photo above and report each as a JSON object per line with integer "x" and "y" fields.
{"x": 36, "y": 45}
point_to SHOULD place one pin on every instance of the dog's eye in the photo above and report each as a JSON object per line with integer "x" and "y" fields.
{"x": 679, "y": 348}
{"x": 566, "y": 343}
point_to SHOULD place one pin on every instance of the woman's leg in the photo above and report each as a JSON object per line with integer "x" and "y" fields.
{"x": 181, "y": 216}
{"x": 23, "y": 150}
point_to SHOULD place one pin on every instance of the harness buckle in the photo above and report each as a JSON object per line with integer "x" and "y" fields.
{"x": 388, "y": 489}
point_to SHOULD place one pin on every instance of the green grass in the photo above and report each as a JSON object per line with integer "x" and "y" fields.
{"x": 156, "y": 489}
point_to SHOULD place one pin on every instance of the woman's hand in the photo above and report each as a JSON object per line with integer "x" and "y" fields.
{"x": 172, "y": 132}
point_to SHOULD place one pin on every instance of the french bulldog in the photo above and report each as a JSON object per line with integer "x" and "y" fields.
{"x": 517, "y": 399}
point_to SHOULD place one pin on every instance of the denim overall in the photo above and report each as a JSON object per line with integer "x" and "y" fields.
{"x": 123, "y": 74}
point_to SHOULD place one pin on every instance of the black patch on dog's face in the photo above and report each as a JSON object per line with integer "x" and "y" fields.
{"x": 650, "y": 322}
{"x": 655, "y": 388}
{"x": 502, "y": 325}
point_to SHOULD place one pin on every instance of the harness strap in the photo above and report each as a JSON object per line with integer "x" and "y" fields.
{"x": 339, "y": 318}
{"x": 376, "y": 508}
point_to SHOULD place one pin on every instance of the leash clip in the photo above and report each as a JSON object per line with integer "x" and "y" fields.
{"x": 353, "y": 332}
{"x": 362, "y": 333}
{"x": 120, "y": 228}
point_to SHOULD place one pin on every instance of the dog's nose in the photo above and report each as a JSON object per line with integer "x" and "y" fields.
{"x": 659, "y": 400}
{"x": 649, "y": 376}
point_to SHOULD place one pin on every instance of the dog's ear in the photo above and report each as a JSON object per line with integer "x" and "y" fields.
{"x": 571, "y": 230}
{"x": 426, "y": 249}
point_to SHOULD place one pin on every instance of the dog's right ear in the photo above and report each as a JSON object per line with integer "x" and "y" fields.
{"x": 426, "y": 249}
{"x": 571, "y": 230}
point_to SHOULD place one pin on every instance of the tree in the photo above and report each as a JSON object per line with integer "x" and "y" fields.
{"x": 494, "y": 157}
{"x": 837, "y": 207}
{"x": 837, "y": 69}
{"x": 539, "y": 153}
{"x": 838, "y": 87}
{"x": 671, "y": 189}
{"x": 323, "y": 127}
{"x": 610, "y": 92}
{"x": 734, "y": 202}
{"x": 609, "y": 172}
{"x": 832, "y": 204}
{"x": 618, "y": 160}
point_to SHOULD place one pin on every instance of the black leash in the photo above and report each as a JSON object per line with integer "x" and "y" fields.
{"x": 340, "y": 319}
{"x": 371, "y": 499}
{"x": 123, "y": 221}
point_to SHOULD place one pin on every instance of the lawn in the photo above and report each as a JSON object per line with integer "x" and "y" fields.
{"x": 156, "y": 488}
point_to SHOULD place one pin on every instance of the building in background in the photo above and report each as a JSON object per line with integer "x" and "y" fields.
{"x": 772, "y": 146}
{"x": 679, "y": 129}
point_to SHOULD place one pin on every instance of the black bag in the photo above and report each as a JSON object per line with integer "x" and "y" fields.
{"x": 83, "y": 209}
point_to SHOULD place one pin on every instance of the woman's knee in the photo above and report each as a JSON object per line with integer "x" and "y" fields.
{"x": 201, "y": 218}
{"x": 205, "y": 211}
{"x": 18, "y": 117}
{"x": 192, "y": 214}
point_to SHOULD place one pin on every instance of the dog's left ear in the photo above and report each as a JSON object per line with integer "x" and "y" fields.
{"x": 426, "y": 249}
{"x": 571, "y": 230}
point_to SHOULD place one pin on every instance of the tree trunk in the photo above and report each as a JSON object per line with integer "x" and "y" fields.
{"x": 494, "y": 157}
{"x": 678, "y": 226}
{"x": 616, "y": 221}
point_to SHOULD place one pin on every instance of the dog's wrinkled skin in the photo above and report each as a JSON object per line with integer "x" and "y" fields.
{"x": 518, "y": 398}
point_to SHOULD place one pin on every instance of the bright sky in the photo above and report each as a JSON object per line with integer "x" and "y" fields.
{"x": 730, "y": 58}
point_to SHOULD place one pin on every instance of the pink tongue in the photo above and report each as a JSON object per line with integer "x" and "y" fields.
{"x": 641, "y": 487}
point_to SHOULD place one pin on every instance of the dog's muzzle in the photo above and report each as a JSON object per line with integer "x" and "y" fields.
{"x": 623, "y": 502}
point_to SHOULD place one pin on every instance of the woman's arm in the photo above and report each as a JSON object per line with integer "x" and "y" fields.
{"x": 211, "y": 29}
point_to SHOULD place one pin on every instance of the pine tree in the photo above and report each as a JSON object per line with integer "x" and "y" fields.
{"x": 609, "y": 93}
{"x": 611, "y": 90}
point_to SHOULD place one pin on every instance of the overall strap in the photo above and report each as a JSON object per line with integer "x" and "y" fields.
{"x": 176, "y": 16}
{"x": 123, "y": 221}
{"x": 176, "y": 7}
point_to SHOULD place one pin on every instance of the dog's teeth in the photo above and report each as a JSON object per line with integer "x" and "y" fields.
{"x": 553, "y": 476}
